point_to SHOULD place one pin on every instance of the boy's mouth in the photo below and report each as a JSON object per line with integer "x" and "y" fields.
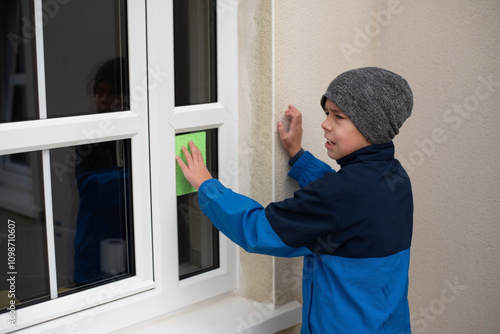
{"x": 329, "y": 143}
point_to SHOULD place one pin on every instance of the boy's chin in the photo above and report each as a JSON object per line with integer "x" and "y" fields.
{"x": 334, "y": 156}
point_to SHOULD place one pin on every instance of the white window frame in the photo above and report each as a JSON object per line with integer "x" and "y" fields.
{"x": 16, "y": 177}
{"x": 151, "y": 123}
{"x": 172, "y": 120}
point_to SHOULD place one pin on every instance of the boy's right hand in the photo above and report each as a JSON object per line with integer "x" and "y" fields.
{"x": 292, "y": 138}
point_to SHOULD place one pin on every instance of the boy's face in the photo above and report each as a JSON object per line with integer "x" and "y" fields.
{"x": 107, "y": 98}
{"x": 342, "y": 136}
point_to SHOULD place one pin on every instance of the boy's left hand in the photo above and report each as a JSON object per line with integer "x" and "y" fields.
{"x": 195, "y": 171}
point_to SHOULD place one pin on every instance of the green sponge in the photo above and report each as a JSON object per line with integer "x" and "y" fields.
{"x": 200, "y": 140}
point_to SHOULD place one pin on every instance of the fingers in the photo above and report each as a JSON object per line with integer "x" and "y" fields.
{"x": 192, "y": 159}
{"x": 281, "y": 130}
{"x": 196, "y": 153}
{"x": 295, "y": 120}
{"x": 292, "y": 112}
{"x": 295, "y": 115}
{"x": 189, "y": 159}
{"x": 181, "y": 163}
{"x": 194, "y": 169}
{"x": 291, "y": 138}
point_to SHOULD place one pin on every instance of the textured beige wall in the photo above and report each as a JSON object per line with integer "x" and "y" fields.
{"x": 255, "y": 106}
{"x": 450, "y": 53}
{"x": 450, "y": 145}
{"x": 308, "y": 57}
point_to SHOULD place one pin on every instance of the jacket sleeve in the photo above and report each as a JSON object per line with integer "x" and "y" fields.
{"x": 307, "y": 168}
{"x": 243, "y": 220}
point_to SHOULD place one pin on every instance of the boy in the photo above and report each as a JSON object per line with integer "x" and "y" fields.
{"x": 353, "y": 227}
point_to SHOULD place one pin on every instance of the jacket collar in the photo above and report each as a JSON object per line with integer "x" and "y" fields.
{"x": 379, "y": 152}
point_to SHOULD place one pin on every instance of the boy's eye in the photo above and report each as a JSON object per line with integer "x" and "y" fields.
{"x": 339, "y": 117}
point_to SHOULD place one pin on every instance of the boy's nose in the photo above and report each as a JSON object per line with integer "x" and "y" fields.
{"x": 109, "y": 96}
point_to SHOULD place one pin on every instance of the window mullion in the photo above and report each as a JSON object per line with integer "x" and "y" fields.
{"x": 49, "y": 221}
{"x": 42, "y": 105}
{"x": 40, "y": 59}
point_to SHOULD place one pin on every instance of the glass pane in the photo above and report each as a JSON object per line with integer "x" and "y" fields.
{"x": 18, "y": 89}
{"x": 195, "y": 52}
{"x": 92, "y": 206}
{"x": 198, "y": 238}
{"x": 86, "y": 68}
{"x": 24, "y": 275}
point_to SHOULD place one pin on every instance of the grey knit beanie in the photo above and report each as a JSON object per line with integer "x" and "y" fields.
{"x": 376, "y": 100}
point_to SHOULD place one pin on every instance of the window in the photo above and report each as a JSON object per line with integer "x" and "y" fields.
{"x": 66, "y": 181}
{"x": 196, "y": 83}
{"x": 195, "y": 56}
{"x": 90, "y": 109}
{"x": 93, "y": 213}
{"x": 198, "y": 238}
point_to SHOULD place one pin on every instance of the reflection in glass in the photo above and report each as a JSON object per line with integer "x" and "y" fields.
{"x": 195, "y": 52}
{"x": 18, "y": 89}
{"x": 85, "y": 48}
{"x": 22, "y": 231}
{"x": 91, "y": 194}
{"x": 198, "y": 238}
{"x": 110, "y": 88}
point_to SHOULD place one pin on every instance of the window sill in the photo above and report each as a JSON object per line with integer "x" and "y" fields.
{"x": 230, "y": 315}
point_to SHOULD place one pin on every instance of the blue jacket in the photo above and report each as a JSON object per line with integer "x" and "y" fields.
{"x": 353, "y": 228}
